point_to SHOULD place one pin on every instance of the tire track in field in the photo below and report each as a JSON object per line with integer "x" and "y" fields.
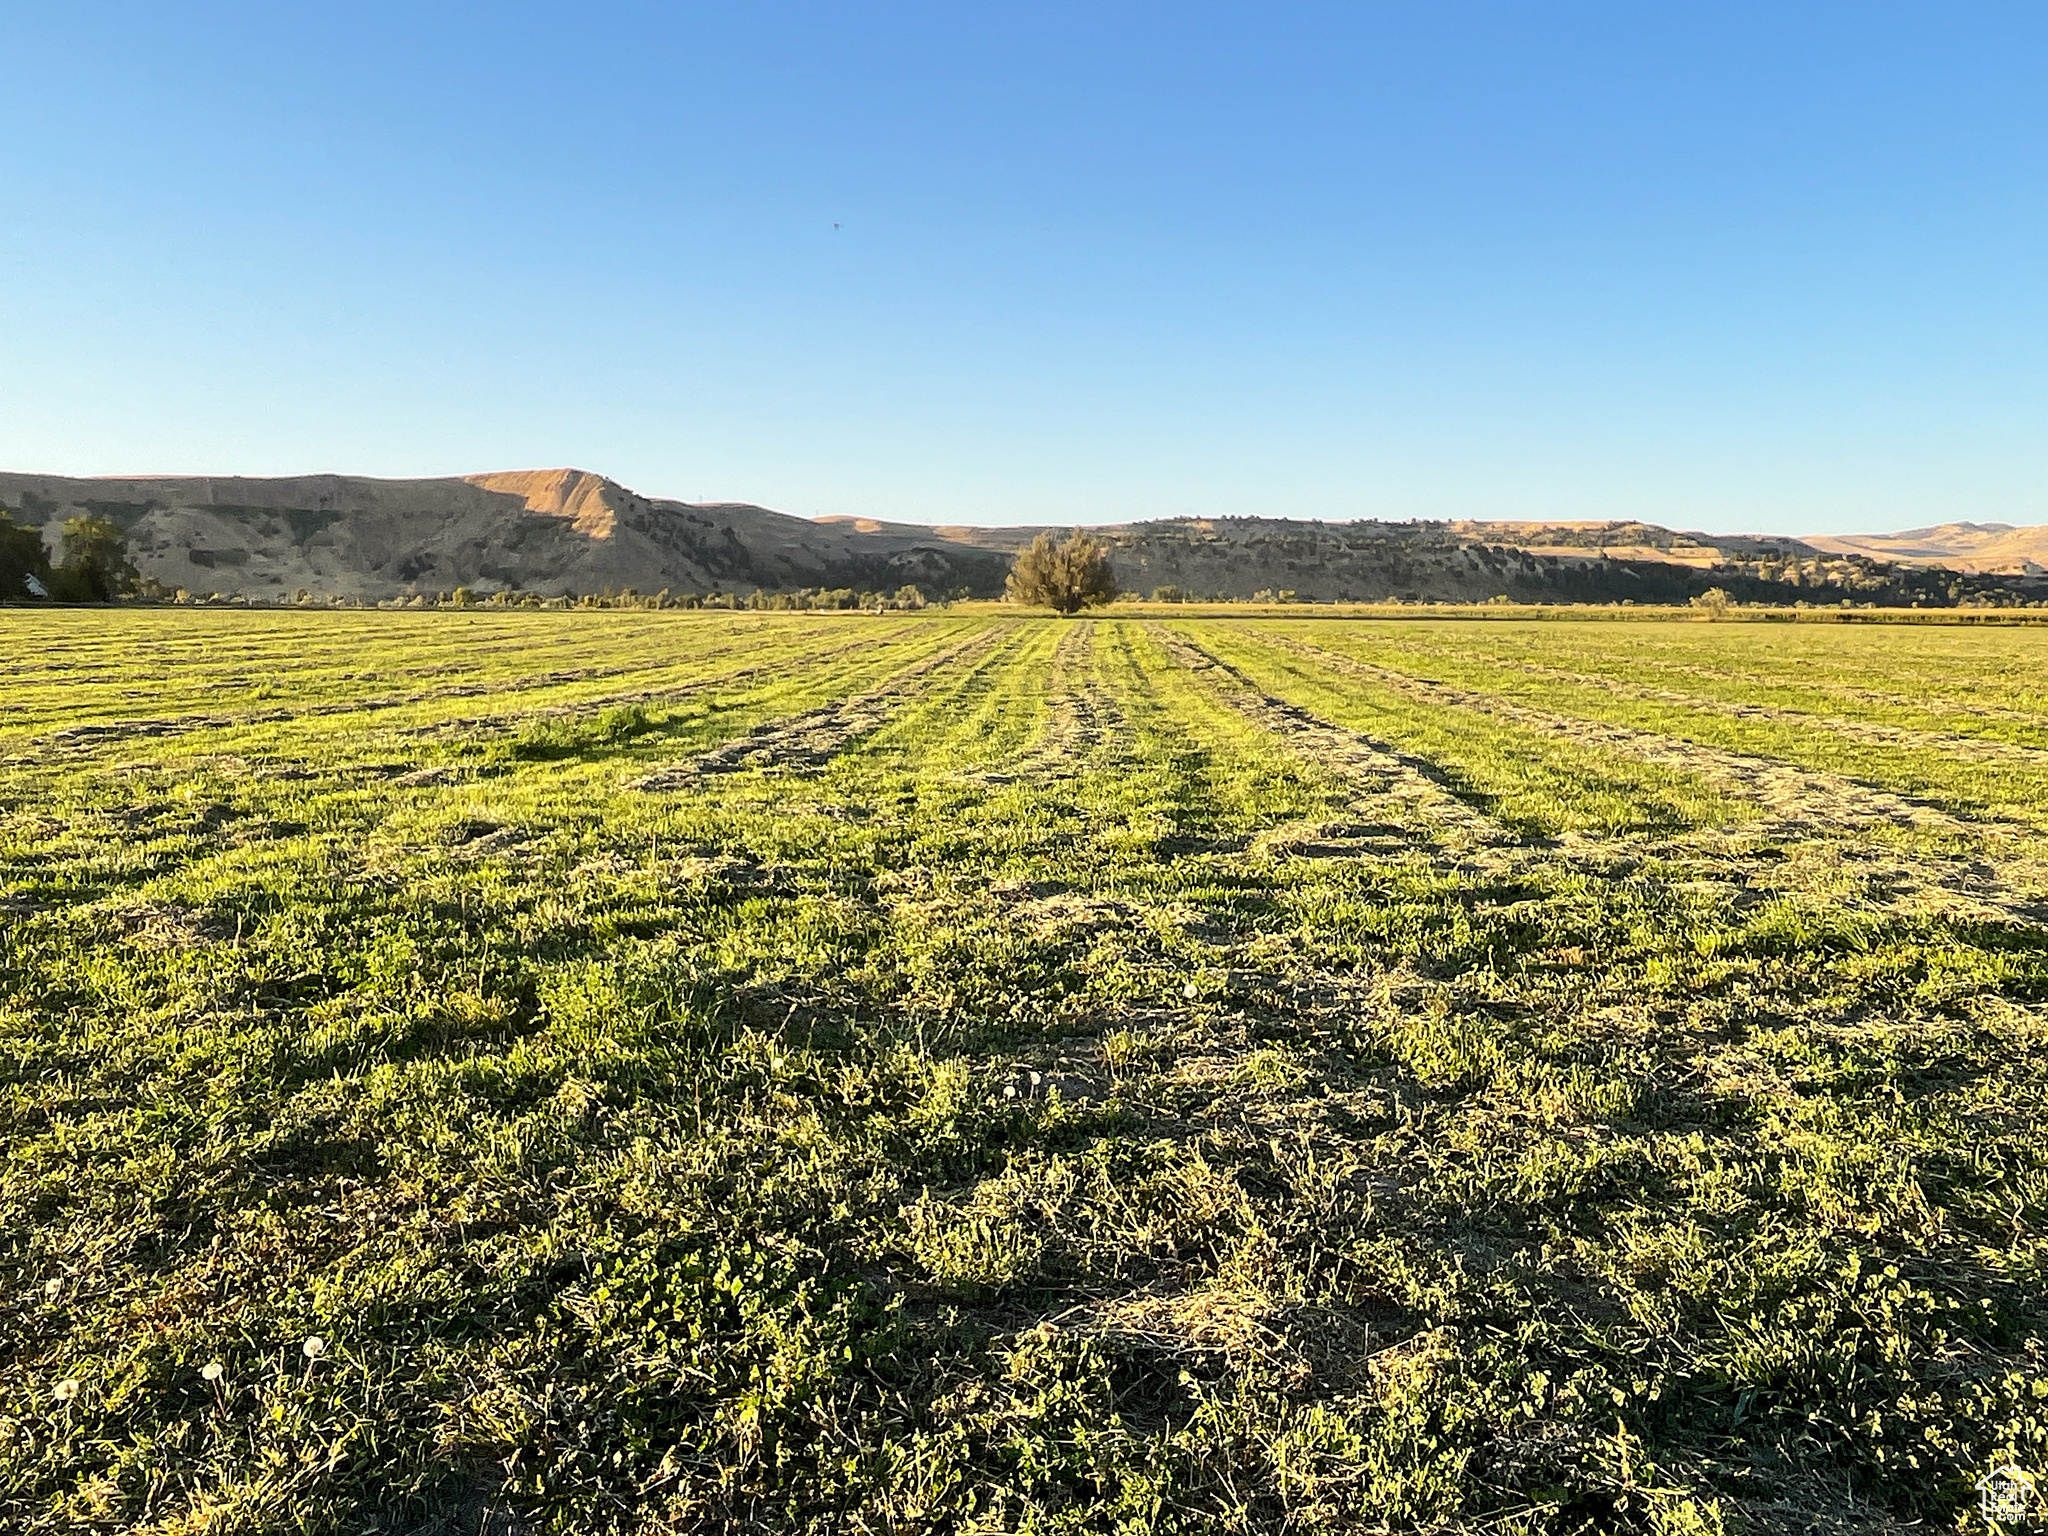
{"x": 1384, "y": 774}
{"x": 814, "y": 737}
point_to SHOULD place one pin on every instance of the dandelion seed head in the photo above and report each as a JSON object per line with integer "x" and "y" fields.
{"x": 1191, "y": 991}
{"x": 65, "y": 1390}
{"x": 314, "y": 1347}
{"x": 213, "y": 1370}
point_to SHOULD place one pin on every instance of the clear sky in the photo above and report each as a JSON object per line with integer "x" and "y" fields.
{"x": 1725, "y": 266}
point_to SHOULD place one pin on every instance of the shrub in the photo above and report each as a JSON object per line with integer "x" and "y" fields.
{"x": 1066, "y": 577}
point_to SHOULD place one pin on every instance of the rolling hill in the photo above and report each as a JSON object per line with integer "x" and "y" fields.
{"x": 568, "y": 531}
{"x": 551, "y": 531}
{"x": 1987, "y": 548}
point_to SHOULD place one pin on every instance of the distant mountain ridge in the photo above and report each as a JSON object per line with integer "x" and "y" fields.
{"x": 557, "y": 531}
{"x": 1982, "y": 548}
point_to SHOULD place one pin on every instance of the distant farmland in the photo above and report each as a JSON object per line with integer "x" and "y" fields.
{"x": 960, "y": 1072}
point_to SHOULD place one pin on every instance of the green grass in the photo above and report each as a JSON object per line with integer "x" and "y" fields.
{"x": 1931, "y": 735}
{"x": 1064, "y": 1089}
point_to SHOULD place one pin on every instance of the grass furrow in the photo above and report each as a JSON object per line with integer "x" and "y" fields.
{"x": 1083, "y": 1076}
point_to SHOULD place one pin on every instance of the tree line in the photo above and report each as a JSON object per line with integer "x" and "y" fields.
{"x": 95, "y": 567}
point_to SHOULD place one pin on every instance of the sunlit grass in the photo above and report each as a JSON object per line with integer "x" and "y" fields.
{"x": 1059, "y": 1098}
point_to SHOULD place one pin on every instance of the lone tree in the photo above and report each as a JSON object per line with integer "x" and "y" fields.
{"x": 1066, "y": 577}
{"x": 1713, "y": 602}
{"x": 96, "y": 567}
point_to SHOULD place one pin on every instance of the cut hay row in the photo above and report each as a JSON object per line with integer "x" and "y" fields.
{"x": 1818, "y": 823}
{"x": 1102, "y": 1093}
{"x": 1812, "y": 714}
{"x": 816, "y": 736}
{"x": 1954, "y": 693}
{"x": 328, "y": 680}
{"x": 1081, "y": 714}
{"x": 1794, "y": 795}
{"x": 1408, "y": 787}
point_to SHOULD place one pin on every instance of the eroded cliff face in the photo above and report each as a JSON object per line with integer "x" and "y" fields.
{"x": 555, "y": 531}
{"x": 590, "y": 503}
{"x": 549, "y": 531}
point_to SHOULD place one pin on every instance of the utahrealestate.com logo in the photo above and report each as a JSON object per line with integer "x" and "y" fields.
{"x": 2008, "y": 1495}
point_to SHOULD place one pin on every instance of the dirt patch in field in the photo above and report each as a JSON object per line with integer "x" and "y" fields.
{"x": 1026, "y": 1084}
{"x": 167, "y": 925}
{"x": 1073, "y": 912}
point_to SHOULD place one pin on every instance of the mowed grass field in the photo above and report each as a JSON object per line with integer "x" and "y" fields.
{"x": 971, "y": 1072}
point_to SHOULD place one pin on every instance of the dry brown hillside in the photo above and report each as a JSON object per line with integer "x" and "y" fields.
{"x": 555, "y": 531}
{"x": 549, "y": 531}
{"x": 1996, "y": 548}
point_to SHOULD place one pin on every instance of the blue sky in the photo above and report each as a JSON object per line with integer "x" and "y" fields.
{"x": 1721, "y": 266}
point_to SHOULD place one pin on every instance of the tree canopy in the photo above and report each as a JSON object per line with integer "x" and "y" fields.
{"x": 22, "y": 556}
{"x": 96, "y": 566}
{"x": 1066, "y": 576}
